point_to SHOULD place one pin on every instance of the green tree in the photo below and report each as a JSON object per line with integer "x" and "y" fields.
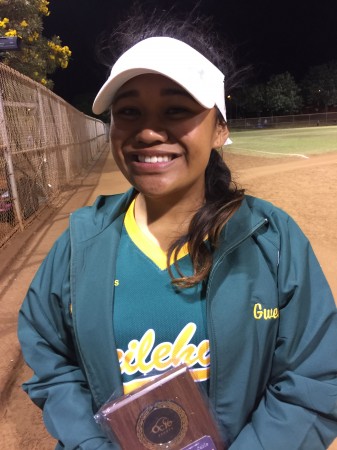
{"x": 251, "y": 99}
{"x": 38, "y": 56}
{"x": 282, "y": 94}
{"x": 319, "y": 86}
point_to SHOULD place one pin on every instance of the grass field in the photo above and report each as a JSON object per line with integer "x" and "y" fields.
{"x": 287, "y": 142}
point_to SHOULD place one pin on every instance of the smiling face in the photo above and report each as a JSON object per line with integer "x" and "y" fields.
{"x": 162, "y": 138}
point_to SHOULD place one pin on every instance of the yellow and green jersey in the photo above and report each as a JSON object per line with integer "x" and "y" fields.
{"x": 157, "y": 326}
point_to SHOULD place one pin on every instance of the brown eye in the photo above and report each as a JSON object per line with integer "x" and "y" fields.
{"x": 178, "y": 112}
{"x": 127, "y": 113}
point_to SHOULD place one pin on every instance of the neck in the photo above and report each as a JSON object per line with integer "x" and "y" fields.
{"x": 165, "y": 220}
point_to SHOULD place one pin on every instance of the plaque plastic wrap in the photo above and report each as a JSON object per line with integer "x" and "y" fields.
{"x": 169, "y": 412}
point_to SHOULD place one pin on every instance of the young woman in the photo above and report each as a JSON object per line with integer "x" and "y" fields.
{"x": 183, "y": 268}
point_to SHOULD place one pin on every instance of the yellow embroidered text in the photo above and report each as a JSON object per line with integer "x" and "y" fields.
{"x": 265, "y": 313}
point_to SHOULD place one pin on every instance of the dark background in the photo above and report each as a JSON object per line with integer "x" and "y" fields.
{"x": 270, "y": 36}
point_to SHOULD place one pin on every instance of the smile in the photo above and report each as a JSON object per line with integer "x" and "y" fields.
{"x": 155, "y": 159}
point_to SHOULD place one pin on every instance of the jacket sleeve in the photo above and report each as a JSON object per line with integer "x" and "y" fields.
{"x": 58, "y": 386}
{"x": 299, "y": 408}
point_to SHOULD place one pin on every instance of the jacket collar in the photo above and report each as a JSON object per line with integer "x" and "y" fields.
{"x": 106, "y": 209}
{"x": 92, "y": 220}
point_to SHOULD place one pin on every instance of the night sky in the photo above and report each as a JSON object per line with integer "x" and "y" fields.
{"x": 271, "y": 36}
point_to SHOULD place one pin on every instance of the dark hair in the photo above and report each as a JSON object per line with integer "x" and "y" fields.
{"x": 222, "y": 197}
{"x": 190, "y": 27}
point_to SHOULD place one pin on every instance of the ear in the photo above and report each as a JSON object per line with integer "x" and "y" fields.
{"x": 221, "y": 135}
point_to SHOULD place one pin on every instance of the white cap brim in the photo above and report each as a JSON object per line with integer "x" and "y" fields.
{"x": 173, "y": 59}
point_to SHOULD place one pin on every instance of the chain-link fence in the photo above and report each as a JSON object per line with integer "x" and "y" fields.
{"x": 45, "y": 144}
{"x": 296, "y": 120}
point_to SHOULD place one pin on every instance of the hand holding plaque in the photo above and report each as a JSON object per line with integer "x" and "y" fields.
{"x": 166, "y": 413}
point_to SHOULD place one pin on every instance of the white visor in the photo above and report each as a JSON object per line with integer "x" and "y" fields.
{"x": 173, "y": 59}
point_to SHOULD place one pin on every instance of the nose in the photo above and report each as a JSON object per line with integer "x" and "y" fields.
{"x": 148, "y": 135}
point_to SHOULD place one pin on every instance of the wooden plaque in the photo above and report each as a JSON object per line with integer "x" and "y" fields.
{"x": 166, "y": 413}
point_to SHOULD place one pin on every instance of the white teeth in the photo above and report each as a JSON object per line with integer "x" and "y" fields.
{"x": 154, "y": 159}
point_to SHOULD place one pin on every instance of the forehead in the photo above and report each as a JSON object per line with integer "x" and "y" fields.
{"x": 156, "y": 83}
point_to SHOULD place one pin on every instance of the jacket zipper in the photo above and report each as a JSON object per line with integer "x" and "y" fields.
{"x": 211, "y": 334}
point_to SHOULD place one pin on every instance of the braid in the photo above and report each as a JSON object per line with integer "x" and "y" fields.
{"x": 222, "y": 199}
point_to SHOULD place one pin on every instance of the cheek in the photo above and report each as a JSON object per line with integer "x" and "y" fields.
{"x": 191, "y": 128}
{"x": 201, "y": 140}
{"x": 116, "y": 139}
{"x": 115, "y": 134}
{"x": 202, "y": 131}
{"x": 116, "y": 148}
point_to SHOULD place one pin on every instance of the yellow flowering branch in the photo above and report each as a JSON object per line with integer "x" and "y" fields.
{"x": 11, "y": 32}
{"x": 43, "y": 7}
{"x": 4, "y": 22}
{"x": 38, "y": 56}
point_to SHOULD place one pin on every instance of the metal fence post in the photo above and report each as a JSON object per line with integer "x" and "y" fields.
{"x": 9, "y": 164}
{"x": 42, "y": 118}
{"x": 64, "y": 150}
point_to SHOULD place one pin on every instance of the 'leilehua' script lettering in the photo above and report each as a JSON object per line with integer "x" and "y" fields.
{"x": 143, "y": 356}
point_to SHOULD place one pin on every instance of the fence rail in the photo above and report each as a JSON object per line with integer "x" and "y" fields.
{"x": 299, "y": 120}
{"x": 45, "y": 144}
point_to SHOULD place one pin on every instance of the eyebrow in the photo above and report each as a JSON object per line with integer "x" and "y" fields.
{"x": 164, "y": 92}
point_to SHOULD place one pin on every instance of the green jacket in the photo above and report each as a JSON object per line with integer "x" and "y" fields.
{"x": 272, "y": 327}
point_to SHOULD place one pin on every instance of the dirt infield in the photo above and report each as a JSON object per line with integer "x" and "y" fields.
{"x": 305, "y": 188}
